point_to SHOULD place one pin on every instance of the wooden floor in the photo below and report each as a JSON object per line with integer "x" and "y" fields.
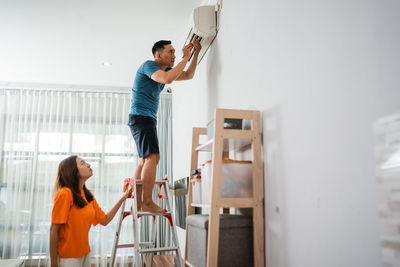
{"x": 161, "y": 261}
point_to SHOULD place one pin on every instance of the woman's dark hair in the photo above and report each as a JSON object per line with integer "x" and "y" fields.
{"x": 159, "y": 46}
{"x": 68, "y": 176}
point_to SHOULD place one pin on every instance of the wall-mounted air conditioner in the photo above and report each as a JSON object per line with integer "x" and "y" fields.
{"x": 203, "y": 27}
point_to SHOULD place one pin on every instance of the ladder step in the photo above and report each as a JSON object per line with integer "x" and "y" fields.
{"x": 155, "y": 182}
{"x": 133, "y": 245}
{"x": 145, "y": 213}
{"x": 126, "y": 246}
{"x": 153, "y": 250}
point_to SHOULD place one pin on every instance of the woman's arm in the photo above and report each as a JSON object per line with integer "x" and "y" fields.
{"x": 54, "y": 228}
{"x": 113, "y": 211}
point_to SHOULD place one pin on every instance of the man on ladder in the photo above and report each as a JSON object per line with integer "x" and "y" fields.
{"x": 150, "y": 80}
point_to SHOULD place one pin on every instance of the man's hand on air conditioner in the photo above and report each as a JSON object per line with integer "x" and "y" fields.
{"x": 187, "y": 51}
{"x": 197, "y": 46}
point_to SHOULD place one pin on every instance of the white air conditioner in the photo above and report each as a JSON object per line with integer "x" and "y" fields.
{"x": 203, "y": 27}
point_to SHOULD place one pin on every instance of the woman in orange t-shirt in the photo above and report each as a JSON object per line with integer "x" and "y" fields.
{"x": 75, "y": 210}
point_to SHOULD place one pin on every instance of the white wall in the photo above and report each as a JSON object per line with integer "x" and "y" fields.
{"x": 321, "y": 72}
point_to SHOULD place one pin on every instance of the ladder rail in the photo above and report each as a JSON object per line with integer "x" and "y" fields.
{"x": 116, "y": 238}
{"x": 174, "y": 233}
{"x": 153, "y": 241}
{"x": 135, "y": 219}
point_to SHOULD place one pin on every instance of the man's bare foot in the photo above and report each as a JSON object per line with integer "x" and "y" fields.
{"x": 153, "y": 208}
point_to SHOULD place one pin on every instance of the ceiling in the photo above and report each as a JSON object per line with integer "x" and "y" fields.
{"x": 66, "y": 42}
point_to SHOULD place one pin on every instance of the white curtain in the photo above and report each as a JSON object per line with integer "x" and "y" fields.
{"x": 39, "y": 128}
{"x": 164, "y": 129}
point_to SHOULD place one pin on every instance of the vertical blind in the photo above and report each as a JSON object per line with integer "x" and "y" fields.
{"x": 39, "y": 128}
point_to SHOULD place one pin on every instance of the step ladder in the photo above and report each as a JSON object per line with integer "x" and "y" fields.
{"x": 148, "y": 247}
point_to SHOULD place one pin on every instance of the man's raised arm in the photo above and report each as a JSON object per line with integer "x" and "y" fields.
{"x": 189, "y": 73}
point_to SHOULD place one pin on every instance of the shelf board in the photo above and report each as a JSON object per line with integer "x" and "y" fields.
{"x": 197, "y": 205}
{"x": 229, "y": 144}
{"x": 206, "y": 146}
{"x": 392, "y": 239}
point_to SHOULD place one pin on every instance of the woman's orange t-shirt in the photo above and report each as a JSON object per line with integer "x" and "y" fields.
{"x": 73, "y": 237}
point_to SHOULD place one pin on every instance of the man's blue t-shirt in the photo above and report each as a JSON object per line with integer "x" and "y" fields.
{"x": 145, "y": 91}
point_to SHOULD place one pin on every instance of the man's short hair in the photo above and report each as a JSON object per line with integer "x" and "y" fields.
{"x": 159, "y": 46}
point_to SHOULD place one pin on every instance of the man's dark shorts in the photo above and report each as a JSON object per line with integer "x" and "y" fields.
{"x": 144, "y": 131}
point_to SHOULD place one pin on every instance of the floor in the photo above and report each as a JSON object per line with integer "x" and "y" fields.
{"x": 162, "y": 261}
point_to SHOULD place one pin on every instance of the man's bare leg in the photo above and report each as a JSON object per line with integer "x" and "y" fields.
{"x": 137, "y": 177}
{"x": 148, "y": 176}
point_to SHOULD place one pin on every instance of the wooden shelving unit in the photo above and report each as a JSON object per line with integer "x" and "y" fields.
{"x": 228, "y": 140}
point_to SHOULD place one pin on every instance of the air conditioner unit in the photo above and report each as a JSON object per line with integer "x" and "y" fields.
{"x": 203, "y": 27}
